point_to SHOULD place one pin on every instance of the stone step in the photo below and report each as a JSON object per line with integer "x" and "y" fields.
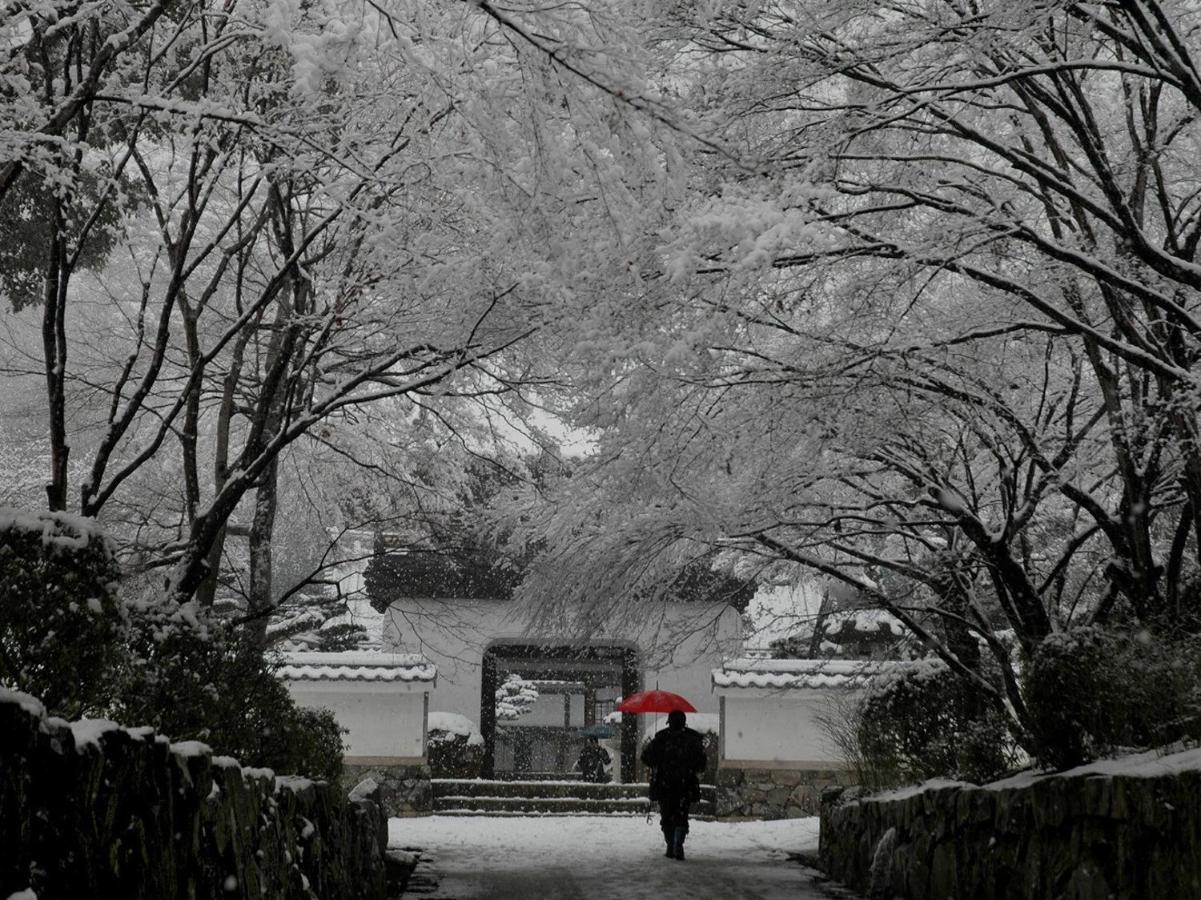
{"x": 563, "y": 806}
{"x": 456, "y": 787}
{"x": 544, "y": 814}
{"x": 479, "y": 797}
{"x": 499, "y": 788}
{"x": 514, "y": 814}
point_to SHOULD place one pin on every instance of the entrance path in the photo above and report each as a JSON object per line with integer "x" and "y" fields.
{"x": 608, "y": 858}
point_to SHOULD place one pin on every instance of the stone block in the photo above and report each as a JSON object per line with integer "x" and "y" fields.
{"x": 405, "y": 790}
{"x": 769, "y": 793}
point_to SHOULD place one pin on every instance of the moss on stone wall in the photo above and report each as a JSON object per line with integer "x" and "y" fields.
{"x": 94, "y": 810}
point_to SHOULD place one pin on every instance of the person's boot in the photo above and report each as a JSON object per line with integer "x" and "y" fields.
{"x": 669, "y": 839}
{"x": 678, "y": 842}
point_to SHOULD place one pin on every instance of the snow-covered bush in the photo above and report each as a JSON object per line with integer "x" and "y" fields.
{"x": 922, "y": 722}
{"x": 1092, "y": 691}
{"x": 514, "y": 698}
{"x": 62, "y": 626}
{"x": 454, "y": 746}
{"x": 197, "y": 680}
{"x": 71, "y": 640}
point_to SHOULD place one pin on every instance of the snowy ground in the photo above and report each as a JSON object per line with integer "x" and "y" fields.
{"x": 609, "y": 858}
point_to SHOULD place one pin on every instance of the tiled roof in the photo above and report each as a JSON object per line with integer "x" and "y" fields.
{"x": 809, "y": 673}
{"x": 357, "y": 666}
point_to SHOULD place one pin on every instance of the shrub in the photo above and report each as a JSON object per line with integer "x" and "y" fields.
{"x": 198, "y": 681}
{"x": 1093, "y": 691}
{"x": 67, "y": 638}
{"x": 711, "y": 741}
{"x": 922, "y": 722}
{"x": 62, "y": 626}
{"x": 454, "y": 746}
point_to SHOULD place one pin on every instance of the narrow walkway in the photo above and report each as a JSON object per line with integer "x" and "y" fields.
{"x": 608, "y": 858}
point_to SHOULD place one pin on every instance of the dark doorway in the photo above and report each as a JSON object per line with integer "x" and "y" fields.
{"x": 584, "y": 678}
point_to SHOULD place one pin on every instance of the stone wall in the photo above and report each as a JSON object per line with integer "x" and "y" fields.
{"x": 404, "y": 790}
{"x": 772, "y": 793}
{"x": 89, "y": 809}
{"x": 1082, "y": 837}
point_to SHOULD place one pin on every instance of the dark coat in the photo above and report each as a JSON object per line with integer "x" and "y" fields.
{"x": 592, "y": 762}
{"x": 676, "y": 757}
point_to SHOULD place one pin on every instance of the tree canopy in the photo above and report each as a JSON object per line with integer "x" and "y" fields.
{"x": 925, "y": 326}
{"x": 902, "y": 296}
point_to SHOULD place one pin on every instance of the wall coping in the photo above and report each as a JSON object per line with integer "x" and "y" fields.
{"x": 357, "y": 688}
{"x": 358, "y": 665}
{"x": 793, "y": 674}
{"x": 792, "y": 694}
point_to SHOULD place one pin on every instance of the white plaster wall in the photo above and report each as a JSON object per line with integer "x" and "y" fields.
{"x": 548, "y": 710}
{"x": 383, "y": 719}
{"x": 778, "y": 728}
{"x": 679, "y": 644}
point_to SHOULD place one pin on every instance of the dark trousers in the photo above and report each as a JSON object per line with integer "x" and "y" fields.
{"x": 673, "y": 814}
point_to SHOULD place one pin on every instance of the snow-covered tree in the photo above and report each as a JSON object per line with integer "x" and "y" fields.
{"x": 263, "y": 222}
{"x": 925, "y": 327}
{"x": 515, "y": 697}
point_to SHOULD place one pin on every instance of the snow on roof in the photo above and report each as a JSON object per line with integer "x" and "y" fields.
{"x": 807, "y": 673}
{"x": 357, "y": 665}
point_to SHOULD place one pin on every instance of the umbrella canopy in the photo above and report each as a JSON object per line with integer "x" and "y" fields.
{"x": 655, "y": 702}
{"x": 596, "y": 731}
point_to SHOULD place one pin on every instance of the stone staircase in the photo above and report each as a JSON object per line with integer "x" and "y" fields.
{"x": 459, "y": 797}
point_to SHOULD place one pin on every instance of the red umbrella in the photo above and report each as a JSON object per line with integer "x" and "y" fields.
{"x": 654, "y": 702}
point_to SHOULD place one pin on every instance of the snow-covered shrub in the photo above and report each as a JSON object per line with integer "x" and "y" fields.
{"x": 68, "y": 638}
{"x": 922, "y": 722}
{"x": 1091, "y": 691}
{"x": 515, "y": 697}
{"x": 62, "y": 626}
{"x": 454, "y": 746}
{"x": 195, "y": 680}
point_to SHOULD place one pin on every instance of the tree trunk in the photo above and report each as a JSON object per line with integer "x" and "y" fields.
{"x": 823, "y": 612}
{"x": 54, "y": 352}
{"x": 262, "y": 530}
{"x": 206, "y": 592}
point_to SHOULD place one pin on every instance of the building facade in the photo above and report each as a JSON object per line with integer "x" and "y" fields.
{"x": 382, "y": 702}
{"x": 579, "y": 677}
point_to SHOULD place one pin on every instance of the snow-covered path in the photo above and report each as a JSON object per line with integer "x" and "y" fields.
{"x": 602, "y": 858}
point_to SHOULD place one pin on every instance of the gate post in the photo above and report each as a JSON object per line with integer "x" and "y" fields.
{"x": 488, "y": 713}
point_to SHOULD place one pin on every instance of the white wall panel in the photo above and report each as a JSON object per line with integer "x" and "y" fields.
{"x": 780, "y": 728}
{"x": 382, "y": 720}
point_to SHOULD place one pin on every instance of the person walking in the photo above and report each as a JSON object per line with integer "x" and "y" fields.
{"x": 592, "y": 762}
{"x": 676, "y": 757}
